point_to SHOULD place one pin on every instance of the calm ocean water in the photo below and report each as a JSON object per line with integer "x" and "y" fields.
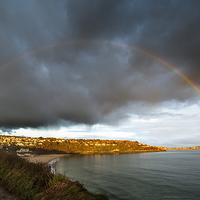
{"x": 160, "y": 175}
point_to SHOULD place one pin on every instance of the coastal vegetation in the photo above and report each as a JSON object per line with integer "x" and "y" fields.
{"x": 35, "y": 181}
{"x": 81, "y": 146}
{"x": 98, "y": 146}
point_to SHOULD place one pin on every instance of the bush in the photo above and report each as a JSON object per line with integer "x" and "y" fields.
{"x": 33, "y": 181}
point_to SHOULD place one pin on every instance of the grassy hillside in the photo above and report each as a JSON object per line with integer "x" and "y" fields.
{"x": 97, "y": 146}
{"x": 35, "y": 181}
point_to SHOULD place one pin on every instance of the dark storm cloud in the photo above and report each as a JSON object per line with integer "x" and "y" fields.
{"x": 8, "y": 130}
{"x": 55, "y": 65}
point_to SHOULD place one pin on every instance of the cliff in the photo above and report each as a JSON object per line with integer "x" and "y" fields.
{"x": 32, "y": 181}
{"x": 79, "y": 145}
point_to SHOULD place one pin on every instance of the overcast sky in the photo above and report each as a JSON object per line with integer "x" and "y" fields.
{"x": 89, "y": 69}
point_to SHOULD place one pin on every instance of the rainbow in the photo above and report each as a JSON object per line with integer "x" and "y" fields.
{"x": 187, "y": 79}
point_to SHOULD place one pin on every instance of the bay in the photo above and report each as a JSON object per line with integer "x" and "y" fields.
{"x": 158, "y": 175}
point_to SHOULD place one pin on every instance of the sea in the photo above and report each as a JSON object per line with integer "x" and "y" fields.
{"x": 156, "y": 175}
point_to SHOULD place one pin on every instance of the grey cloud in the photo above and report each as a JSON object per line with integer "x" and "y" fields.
{"x": 8, "y": 130}
{"x": 55, "y": 64}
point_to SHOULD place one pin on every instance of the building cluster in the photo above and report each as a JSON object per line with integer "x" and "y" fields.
{"x": 25, "y": 141}
{"x": 20, "y": 141}
{"x": 28, "y": 142}
{"x": 24, "y": 152}
{"x": 40, "y": 142}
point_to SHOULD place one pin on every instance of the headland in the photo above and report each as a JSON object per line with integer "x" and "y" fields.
{"x": 79, "y": 146}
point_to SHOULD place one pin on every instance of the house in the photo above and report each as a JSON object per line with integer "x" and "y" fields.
{"x": 24, "y": 150}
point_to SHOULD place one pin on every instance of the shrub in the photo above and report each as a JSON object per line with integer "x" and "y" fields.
{"x": 36, "y": 181}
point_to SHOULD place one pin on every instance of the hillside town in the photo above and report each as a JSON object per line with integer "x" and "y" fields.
{"x": 25, "y": 141}
{"x": 77, "y": 145}
{"x": 40, "y": 142}
{"x": 83, "y": 146}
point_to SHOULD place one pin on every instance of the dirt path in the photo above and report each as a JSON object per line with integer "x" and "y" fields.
{"x": 4, "y": 195}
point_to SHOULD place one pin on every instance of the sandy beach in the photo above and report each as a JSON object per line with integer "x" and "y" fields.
{"x": 46, "y": 158}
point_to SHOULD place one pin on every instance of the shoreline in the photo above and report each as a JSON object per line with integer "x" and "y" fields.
{"x": 36, "y": 181}
{"x": 46, "y": 158}
{"x": 52, "y": 158}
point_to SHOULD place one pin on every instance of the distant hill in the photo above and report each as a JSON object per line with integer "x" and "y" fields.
{"x": 81, "y": 146}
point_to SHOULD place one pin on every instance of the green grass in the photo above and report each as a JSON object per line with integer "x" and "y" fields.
{"x": 32, "y": 181}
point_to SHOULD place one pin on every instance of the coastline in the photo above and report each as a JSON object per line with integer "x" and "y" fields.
{"x": 49, "y": 158}
{"x": 26, "y": 180}
{"x": 46, "y": 158}
{"x": 52, "y": 158}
